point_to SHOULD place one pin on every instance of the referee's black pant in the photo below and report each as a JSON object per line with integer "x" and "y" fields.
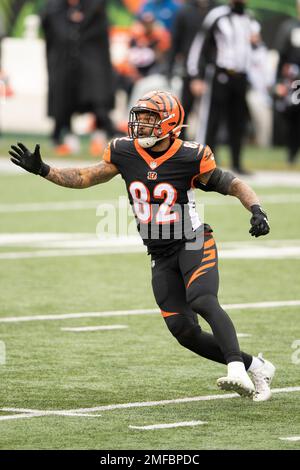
{"x": 228, "y": 105}
{"x": 186, "y": 284}
{"x": 292, "y": 116}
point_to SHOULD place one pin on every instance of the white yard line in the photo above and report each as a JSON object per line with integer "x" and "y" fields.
{"x": 177, "y": 401}
{"x": 22, "y": 416}
{"x": 68, "y": 316}
{"x": 169, "y": 425}
{"x": 145, "y": 404}
{"x": 76, "y": 415}
{"x": 33, "y": 413}
{"x": 291, "y": 438}
{"x": 52, "y": 206}
{"x": 88, "y": 244}
{"x": 243, "y": 335}
{"x": 95, "y": 328}
{"x": 290, "y": 252}
{"x": 93, "y": 204}
{"x": 92, "y": 240}
{"x": 271, "y": 304}
{"x": 42, "y": 414}
{"x": 147, "y": 311}
{"x": 71, "y": 252}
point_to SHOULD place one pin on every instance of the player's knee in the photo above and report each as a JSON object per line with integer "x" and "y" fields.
{"x": 175, "y": 324}
{"x": 203, "y": 304}
{"x": 182, "y": 329}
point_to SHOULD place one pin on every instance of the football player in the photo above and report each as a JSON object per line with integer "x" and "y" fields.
{"x": 161, "y": 172}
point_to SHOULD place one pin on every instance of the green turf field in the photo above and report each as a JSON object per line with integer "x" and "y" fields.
{"x": 50, "y": 369}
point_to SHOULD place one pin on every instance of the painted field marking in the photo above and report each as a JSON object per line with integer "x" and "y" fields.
{"x": 84, "y": 411}
{"x": 291, "y": 438}
{"x": 22, "y": 416}
{"x": 67, "y": 316}
{"x": 53, "y": 206}
{"x": 243, "y": 335}
{"x": 68, "y": 413}
{"x": 46, "y": 245}
{"x": 27, "y": 413}
{"x": 291, "y": 252}
{"x": 169, "y": 425}
{"x": 93, "y": 204}
{"x": 95, "y": 328}
{"x": 177, "y": 401}
{"x": 149, "y": 311}
{"x": 71, "y": 252}
{"x": 92, "y": 240}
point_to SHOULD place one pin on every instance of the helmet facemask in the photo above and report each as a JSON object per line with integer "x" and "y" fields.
{"x": 150, "y": 120}
{"x": 159, "y": 112}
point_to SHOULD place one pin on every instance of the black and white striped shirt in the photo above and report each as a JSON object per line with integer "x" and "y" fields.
{"x": 224, "y": 42}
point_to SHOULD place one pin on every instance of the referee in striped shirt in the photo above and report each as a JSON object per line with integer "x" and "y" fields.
{"x": 218, "y": 62}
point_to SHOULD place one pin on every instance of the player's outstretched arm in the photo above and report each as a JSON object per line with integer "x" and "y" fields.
{"x": 225, "y": 182}
{"x": 249, "y": 199}
{"x": 77, "y": 178}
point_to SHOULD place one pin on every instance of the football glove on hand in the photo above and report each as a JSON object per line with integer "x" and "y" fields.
{"x": 259, "y": 222}
{"x": 31, "y": 162}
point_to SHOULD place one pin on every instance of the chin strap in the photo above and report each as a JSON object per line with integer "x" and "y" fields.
{"x": 147, "y": 142}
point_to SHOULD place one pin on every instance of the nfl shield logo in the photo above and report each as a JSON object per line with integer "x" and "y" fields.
{"x": 152, "y": 175}
{"x": 153, "y": 165}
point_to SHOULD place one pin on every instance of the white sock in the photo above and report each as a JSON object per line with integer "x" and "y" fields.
{"x": 255, "y": 364}
{"x": 236, "y": 368}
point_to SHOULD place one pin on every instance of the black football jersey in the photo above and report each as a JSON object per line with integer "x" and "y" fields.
{"x": 161, "y": 190}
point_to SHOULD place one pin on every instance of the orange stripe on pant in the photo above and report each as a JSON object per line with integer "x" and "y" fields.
{"x": 168, "y": 314}
{"x": 209, "y": 243}
{"x": 199, "y": 272}
{"x": 209, "y": 255}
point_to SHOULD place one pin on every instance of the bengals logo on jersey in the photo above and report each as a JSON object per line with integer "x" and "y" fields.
{"x": 152, "y": 175}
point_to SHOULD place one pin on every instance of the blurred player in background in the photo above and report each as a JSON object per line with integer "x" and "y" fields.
{"x": 288, "y": 81}
{"x": 218, "y": 64}
{"x": 187, "y": 23}
{"x": 160, "y": 172}
{"x": 149, "y": 42}
{"x": 79, "y": 68}
{"x": 163, "y": 11}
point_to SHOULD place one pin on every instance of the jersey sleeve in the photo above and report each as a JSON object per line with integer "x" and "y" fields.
{"x": 111, "y": 154}
{"x": 116, "y": 152}
{"x": 107, "y": 154}
{"x": 207, "y": 161}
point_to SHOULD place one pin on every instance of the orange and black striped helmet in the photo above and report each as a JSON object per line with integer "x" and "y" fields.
{"x": 169, "y": 122}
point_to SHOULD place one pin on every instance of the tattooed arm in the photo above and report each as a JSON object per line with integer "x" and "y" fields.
{"x": 244, "y": 193}
{"x": 68, "y": 177}
{"x": 225, "y": 182}
{"x": 80, "y": 178}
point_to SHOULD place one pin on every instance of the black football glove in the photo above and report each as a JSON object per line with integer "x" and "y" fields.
{"x": 259, "y": 222}
{"x": 31, "y": 162}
